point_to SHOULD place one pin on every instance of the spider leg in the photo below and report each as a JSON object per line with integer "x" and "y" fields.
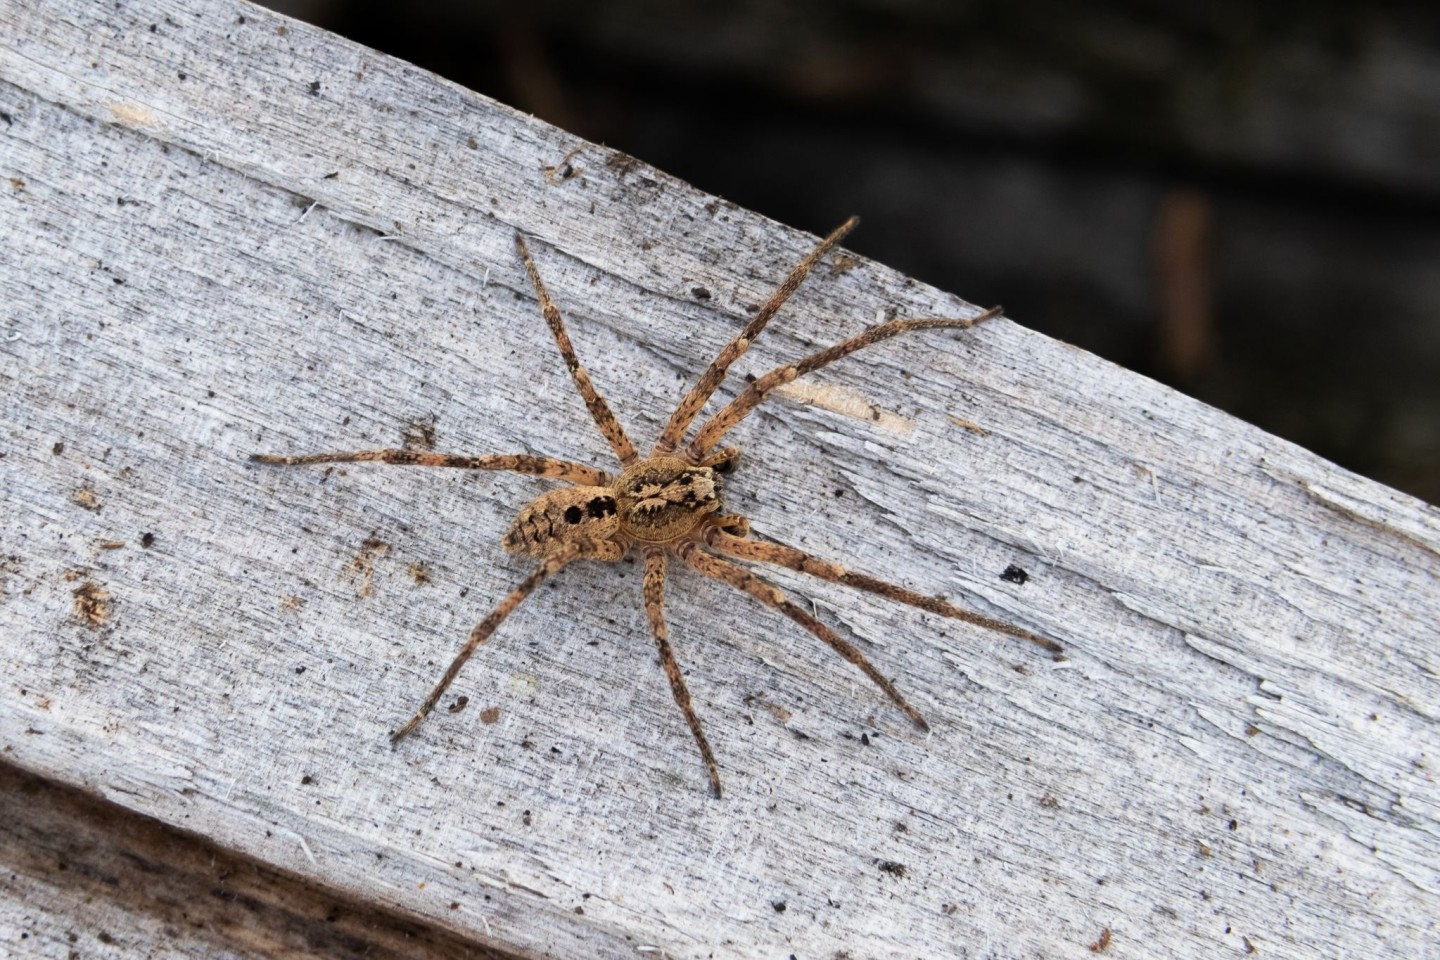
{"x": 575, "y": 473}
{"x": 752, "y": 396}
{"x": 714, "y": 375}
{"x": 599, "y": 409}
{"x": 484, "y": 628}
{"x": 655, "y": 609}
{"x": 798, "y": 560}
{"x": 767, "y": 593}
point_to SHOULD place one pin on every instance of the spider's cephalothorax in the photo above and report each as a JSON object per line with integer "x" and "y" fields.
{"x": 663, "y": 499}
{"x": 667, "y": 505}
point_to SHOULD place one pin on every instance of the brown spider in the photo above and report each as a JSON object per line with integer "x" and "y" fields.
{"x": 669, "y": 502}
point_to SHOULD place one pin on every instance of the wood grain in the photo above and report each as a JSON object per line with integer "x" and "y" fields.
{"x": 234, "y": 233}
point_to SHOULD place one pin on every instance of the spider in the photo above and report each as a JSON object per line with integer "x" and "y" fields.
{"x": 668, "y": 504}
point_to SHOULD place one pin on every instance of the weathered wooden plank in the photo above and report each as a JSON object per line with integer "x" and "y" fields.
{"x": 81, "y": 878}
{"x": 232, "y": 232}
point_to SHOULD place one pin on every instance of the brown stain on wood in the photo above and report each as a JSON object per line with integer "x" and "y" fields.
{"x": 134, "y": 115}
{"x": 970, "y": 425}
{"x": 362, "y": 567}
{"x": 92, "y": 604}
{"x": 419, "y": 434}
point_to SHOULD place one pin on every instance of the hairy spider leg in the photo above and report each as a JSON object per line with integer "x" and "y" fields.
{"x": 655, "y": 610}
{"x": 575, "y": 473}
{"x": 599, "y": 410}
{"x": 780, "y": 555}
{"x": 548, "y": 567}
{"x": 767, "y": 593}
{"x": 752, "y": 396}
{"x": 694, "y": 401}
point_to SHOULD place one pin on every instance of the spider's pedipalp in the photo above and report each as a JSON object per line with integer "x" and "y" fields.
{"x": 724, "y": 460}
{"x": 767, "y": 593}
{"x": 753, "y": 395}
{"x": 512, "y": 462}
{"x": 694, "y": 401}
{"x": 655, "y": 610}
{"x": 484, "y": 629}
{"x": 761, "y": 551}
{"x": 600, "y": 411}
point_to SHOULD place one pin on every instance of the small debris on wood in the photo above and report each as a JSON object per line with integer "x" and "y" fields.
{"x": 362, "y": 566}
{"x": 92, "y": 604}
{"x": 563, "y": 171}
{"x": 969, "y": 425}
{"x": 622, "y": 163}
{"x": 419, "y": 434}
{"x": 778, "y": 712}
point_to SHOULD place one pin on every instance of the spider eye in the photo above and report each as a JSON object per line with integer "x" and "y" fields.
{"x": 572, "y": 515}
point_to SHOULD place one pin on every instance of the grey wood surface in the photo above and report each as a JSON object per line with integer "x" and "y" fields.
{"x": 82, "y": 878}
{"x": 222, "y": 231}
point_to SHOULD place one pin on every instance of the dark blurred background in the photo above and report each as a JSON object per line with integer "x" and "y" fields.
{"x": 1239, "y": 199}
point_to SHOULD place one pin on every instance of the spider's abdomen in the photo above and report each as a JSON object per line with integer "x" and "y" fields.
{"x": 661, "y": 499}
{"x": 561, "y": 517}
